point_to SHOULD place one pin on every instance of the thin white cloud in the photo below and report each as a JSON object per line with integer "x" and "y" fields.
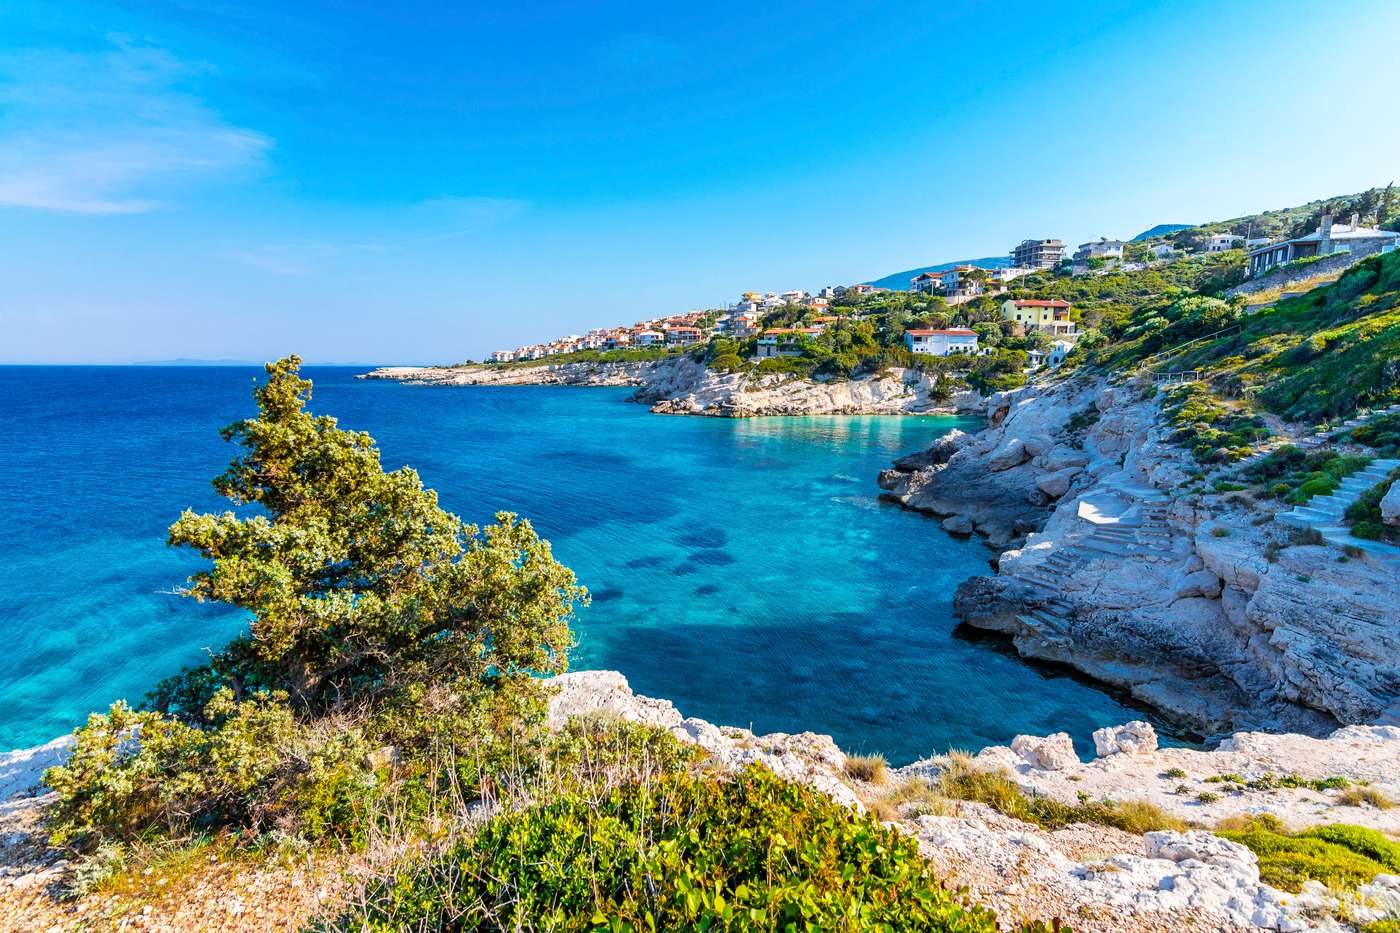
{"x": 414, "y": 225}
{"x": 110, "y": 132}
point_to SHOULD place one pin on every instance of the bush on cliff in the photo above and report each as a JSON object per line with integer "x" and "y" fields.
{"x": 379, "y": 621}
{"x": 751, "y": 852}
{"x": 1340, "y": 856}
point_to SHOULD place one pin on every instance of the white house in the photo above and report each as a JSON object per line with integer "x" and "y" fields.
{"x": 1008, "y": 273}
{"x": 1162, "y": 250}
{"x": 1220, "y": 242}
{"x": 941, "y": 342}
{"x": 783, "y": 341}
{"x": 648, "y": 338}
{"x": 1057, "y": 351}
{"x": 959, "y": 283}
{"x": 502, "y": 356}
{"x": 926, "y": 282}
{"x": 1102, "y": 248}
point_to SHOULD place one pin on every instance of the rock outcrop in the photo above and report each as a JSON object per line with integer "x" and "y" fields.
{"x": 1199, "y": 604}
{"x": 1103, "y": 880}
{"x": 1390, "y": 504}
{"x": 683, "y": 386}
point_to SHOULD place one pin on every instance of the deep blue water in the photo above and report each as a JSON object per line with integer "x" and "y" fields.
{"x": 743, "y": 569}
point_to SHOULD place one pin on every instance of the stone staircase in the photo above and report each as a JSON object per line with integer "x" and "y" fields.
{"x": 1150, "y": 534}
{"x": 1324, "y": 514}
{"x": 1322, "y": 437}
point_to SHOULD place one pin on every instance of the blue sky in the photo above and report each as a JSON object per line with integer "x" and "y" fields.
{"x": 408, "y": 182}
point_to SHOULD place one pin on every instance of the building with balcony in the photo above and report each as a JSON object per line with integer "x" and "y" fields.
{"x": 1038, "y": 254}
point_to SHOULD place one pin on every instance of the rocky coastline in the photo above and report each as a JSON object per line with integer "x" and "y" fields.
{"x": 1097, "y": 878}
{"x": 683, "y": 386}
{"x": 1198, "y": 604}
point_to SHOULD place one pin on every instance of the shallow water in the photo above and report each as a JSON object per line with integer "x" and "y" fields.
{"x": 745, "y": 570}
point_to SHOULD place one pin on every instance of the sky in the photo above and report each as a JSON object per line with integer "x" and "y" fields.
{"x": 411, "y": 182}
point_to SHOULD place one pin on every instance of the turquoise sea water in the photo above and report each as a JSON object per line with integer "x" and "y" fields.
{"x": 743, "y": 569}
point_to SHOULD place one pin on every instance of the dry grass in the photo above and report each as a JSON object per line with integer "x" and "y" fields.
{"x": 915, "y": 797}
{"x": 1364, "y": 797}
{"x": 872, "y": 769}
{"x": 960, "y": 780}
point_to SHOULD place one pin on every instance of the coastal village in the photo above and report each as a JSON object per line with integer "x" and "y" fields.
{"x": 1189, "y": 477}
{"x": 1053, "y": 322}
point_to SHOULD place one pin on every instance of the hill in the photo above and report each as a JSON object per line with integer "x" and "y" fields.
{"x": 900, "y": 280}
{"x": 1160, "y": 230}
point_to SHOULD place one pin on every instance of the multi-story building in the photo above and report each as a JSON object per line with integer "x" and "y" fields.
{"x": 1038, "y": 254}
{"x": 1051, "y": 317}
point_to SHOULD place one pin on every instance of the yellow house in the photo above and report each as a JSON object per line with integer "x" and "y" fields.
{"x": 1052, "y": 317}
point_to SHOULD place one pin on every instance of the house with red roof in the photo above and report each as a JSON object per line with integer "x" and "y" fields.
{"x": 1050, "y": 316}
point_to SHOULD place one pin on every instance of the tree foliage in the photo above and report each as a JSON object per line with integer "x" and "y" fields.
{"x": 365, "y": 598}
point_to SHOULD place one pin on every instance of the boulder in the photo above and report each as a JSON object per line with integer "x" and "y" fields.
{"x": 1010, "y": 454}
{"x": 1199, "y": 583}
{"x": 1050, "y": 753}
{"x": 1204, "y": 847}
{"x": 958, "y": 524}
{"x": 1134, "y": 738}
{"x": 1061, "y": 458}
{"x": 1056, "y": 484}
{"x": 606, "y": 694}
{"x": 1390, "y": 505}
{"x": 1037, "y": 445}
{"x": 938, "y": 452}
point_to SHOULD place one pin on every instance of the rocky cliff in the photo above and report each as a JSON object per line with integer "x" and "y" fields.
{"x": 1097, "y": 878}
{"x": 683, "y": 386}
{"x": 1199, "y": 604}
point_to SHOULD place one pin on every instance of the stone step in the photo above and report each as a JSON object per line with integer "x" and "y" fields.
{"x": 1114, "y": 549}
{"x": 1316, "y": 515}
{"x": 1322, "y": 502}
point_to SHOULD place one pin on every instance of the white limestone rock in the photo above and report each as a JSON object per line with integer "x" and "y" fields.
{"x": 1010, "y": 454}
{"x": 1390, "y": 505}
{"x": 605, "y": 693}
{"x": 1056, "y": 484}
{"x": 1133, "y": 738}
{"x": 805, "y": 757}
{"x": 1050, "y": 753}
{"x": 22, "y": 769}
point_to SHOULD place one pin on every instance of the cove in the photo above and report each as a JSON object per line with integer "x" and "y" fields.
{"x": 745, "y": 570}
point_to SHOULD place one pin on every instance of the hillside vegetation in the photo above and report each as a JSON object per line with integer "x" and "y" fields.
{"x": 1317, "y": 356}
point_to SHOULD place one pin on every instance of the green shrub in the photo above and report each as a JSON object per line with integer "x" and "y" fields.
{"x": 1364, "y": 515}
{"x": 749, "y": 853}
{"x": 1339, "y": 856}
{"x": 134, "y": 772}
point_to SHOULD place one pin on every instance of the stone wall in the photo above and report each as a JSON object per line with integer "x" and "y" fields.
{"x": 1334, "y": 264}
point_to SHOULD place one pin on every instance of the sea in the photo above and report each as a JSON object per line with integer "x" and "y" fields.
{"x": 746, "y": 570}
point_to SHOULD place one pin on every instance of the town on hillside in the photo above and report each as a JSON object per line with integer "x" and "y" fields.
{"x": 1023, "y": 316}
